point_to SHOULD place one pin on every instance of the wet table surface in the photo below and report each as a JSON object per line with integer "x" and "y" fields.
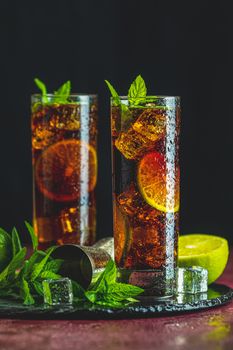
{"x": 211, "y": 329}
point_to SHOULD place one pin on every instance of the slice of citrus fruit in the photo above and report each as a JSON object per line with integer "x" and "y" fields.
{"x": 158, "y": 185}
{"x": 207, "y": 251}
{"x": 65, "y": 169}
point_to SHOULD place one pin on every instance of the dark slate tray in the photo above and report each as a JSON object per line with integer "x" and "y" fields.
{"x": 217, "y": 295}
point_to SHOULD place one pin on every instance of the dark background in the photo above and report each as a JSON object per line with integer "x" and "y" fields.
{"x": 180, "y": 48}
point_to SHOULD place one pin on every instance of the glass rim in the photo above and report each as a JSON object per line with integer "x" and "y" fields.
{"x": 148, "y": 97}
{"x": 71, "y": 95}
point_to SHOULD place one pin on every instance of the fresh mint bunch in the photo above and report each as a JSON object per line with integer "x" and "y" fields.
{"x": 22, "y": 277}
{"x": 107, "y": 292}
{"x": 59, "y": 96}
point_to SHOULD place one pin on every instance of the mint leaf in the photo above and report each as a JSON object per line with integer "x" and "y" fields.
{"x": 137, "y": 91}
{"x": 42, "y": 88}
{"x": 33, "y": 235}
{"x": 62, "y": 94}
{"x": 108, "y": 276}
{"x": 9, "y": 273}
{"x": 123, "y": 291}
{"x": 38, "y": 287}
{"x": 47, "y": 292}
{"x": 116, "y": 98}
{"x": 26, "y": 293}
{"x": 78, "y": 291}
{"x": 35, "y": 258}
{"x": 5, "y": 249}
{"x": 92, "y": 296}
{"x": 16, "y": 243}
{"x": 54, "y": 265}
{"x": 38, "y": 268}
{"x": 49, "y": 275}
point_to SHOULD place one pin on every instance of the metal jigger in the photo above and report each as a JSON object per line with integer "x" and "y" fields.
{"x": 84, "y": 264}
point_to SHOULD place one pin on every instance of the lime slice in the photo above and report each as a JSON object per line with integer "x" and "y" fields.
{"x": 209, "y": 252}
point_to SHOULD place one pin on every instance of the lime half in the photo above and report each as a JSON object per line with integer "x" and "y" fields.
{"x": 207, "y": 251}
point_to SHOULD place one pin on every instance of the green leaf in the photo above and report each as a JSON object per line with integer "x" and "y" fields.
{"x": 35, "y": 258}
{"x": 9, "y": 273}
{"x": 42, "y": 88}
{"x": 123, "y": 291}
{"x": 5, "y": 249}
{"x": 108, "y": 276}
{"x": 54, "y": 265}
{"x": 78, "y": 291}
{"x": 38, "y": 288}
{"x": 34, "y": 238}
{"x": 62, "y": 94}
{"x": 49, "y": 275}
{"x": 47, "y": 292}
{"x": 38, "y": 268}
{"x": 137, "y": 91}
{"x": 116, "y": 98}
{"x": 16, "y": 243}
{"x": 26, "y": 293}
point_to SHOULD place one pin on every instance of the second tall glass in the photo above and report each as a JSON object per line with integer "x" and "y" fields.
{"x": 64, "y": 141}
{"x": 146, "y": 192}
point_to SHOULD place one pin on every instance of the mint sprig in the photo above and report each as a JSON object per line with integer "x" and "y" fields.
{"x": 43, "y": 89}
{"x": 136, "y": 98}
{"x": 116, "y": 98}
{"x": 136, "y": 94}
{"x": 23, "y": 278}
{"x": 60, "y": 96}
{"x": 107, "y": 292}
{"x": 20, "y": 276}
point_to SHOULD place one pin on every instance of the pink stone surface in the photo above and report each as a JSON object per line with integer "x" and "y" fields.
{"x": 207, "y": 330}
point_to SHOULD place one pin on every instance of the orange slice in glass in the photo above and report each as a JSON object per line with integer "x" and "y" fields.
{"x": 66, "y": 169}
{"x": 158, "y": 185}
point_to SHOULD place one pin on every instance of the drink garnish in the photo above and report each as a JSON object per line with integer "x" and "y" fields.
{"x": 153, "y": 183}
{"x": 136, "y": 94}
{"x": 22, "y": 278}
{"x": 60, "y": 96}
{"x": 69, "y": 159}
{"x": 208, "y": 251}
{"x": 137, "y": 91}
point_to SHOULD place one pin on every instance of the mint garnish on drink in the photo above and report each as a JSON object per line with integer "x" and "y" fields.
{"x": 59, "y": 96}
{"x": 136, "y": 94}
{"x": 22, "y": 277}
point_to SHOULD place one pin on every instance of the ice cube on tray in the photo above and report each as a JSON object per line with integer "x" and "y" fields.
{"x": 191, "y": 280}
{"x": 58, "y": 291}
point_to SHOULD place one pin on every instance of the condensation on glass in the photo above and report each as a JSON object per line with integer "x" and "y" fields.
{"x": 146, "y": 194}
{"x": 64, "y": 159}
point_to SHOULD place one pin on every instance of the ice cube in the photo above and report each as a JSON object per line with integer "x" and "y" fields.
{"x": 132, "y": 204}
{"x": 191, "y": 280}
{"x": 70, "y": 220}
{"x": 151, "y": 124}
{"x": 147, "y": 248}
{"x": 42, "y": 137}
{"x": 191, "y": 298}
{"x": 58, "y": 291}
{"x": 132, "y": 144}
{"x": 76, "y": 220}
{"x": 65, "y": 117}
